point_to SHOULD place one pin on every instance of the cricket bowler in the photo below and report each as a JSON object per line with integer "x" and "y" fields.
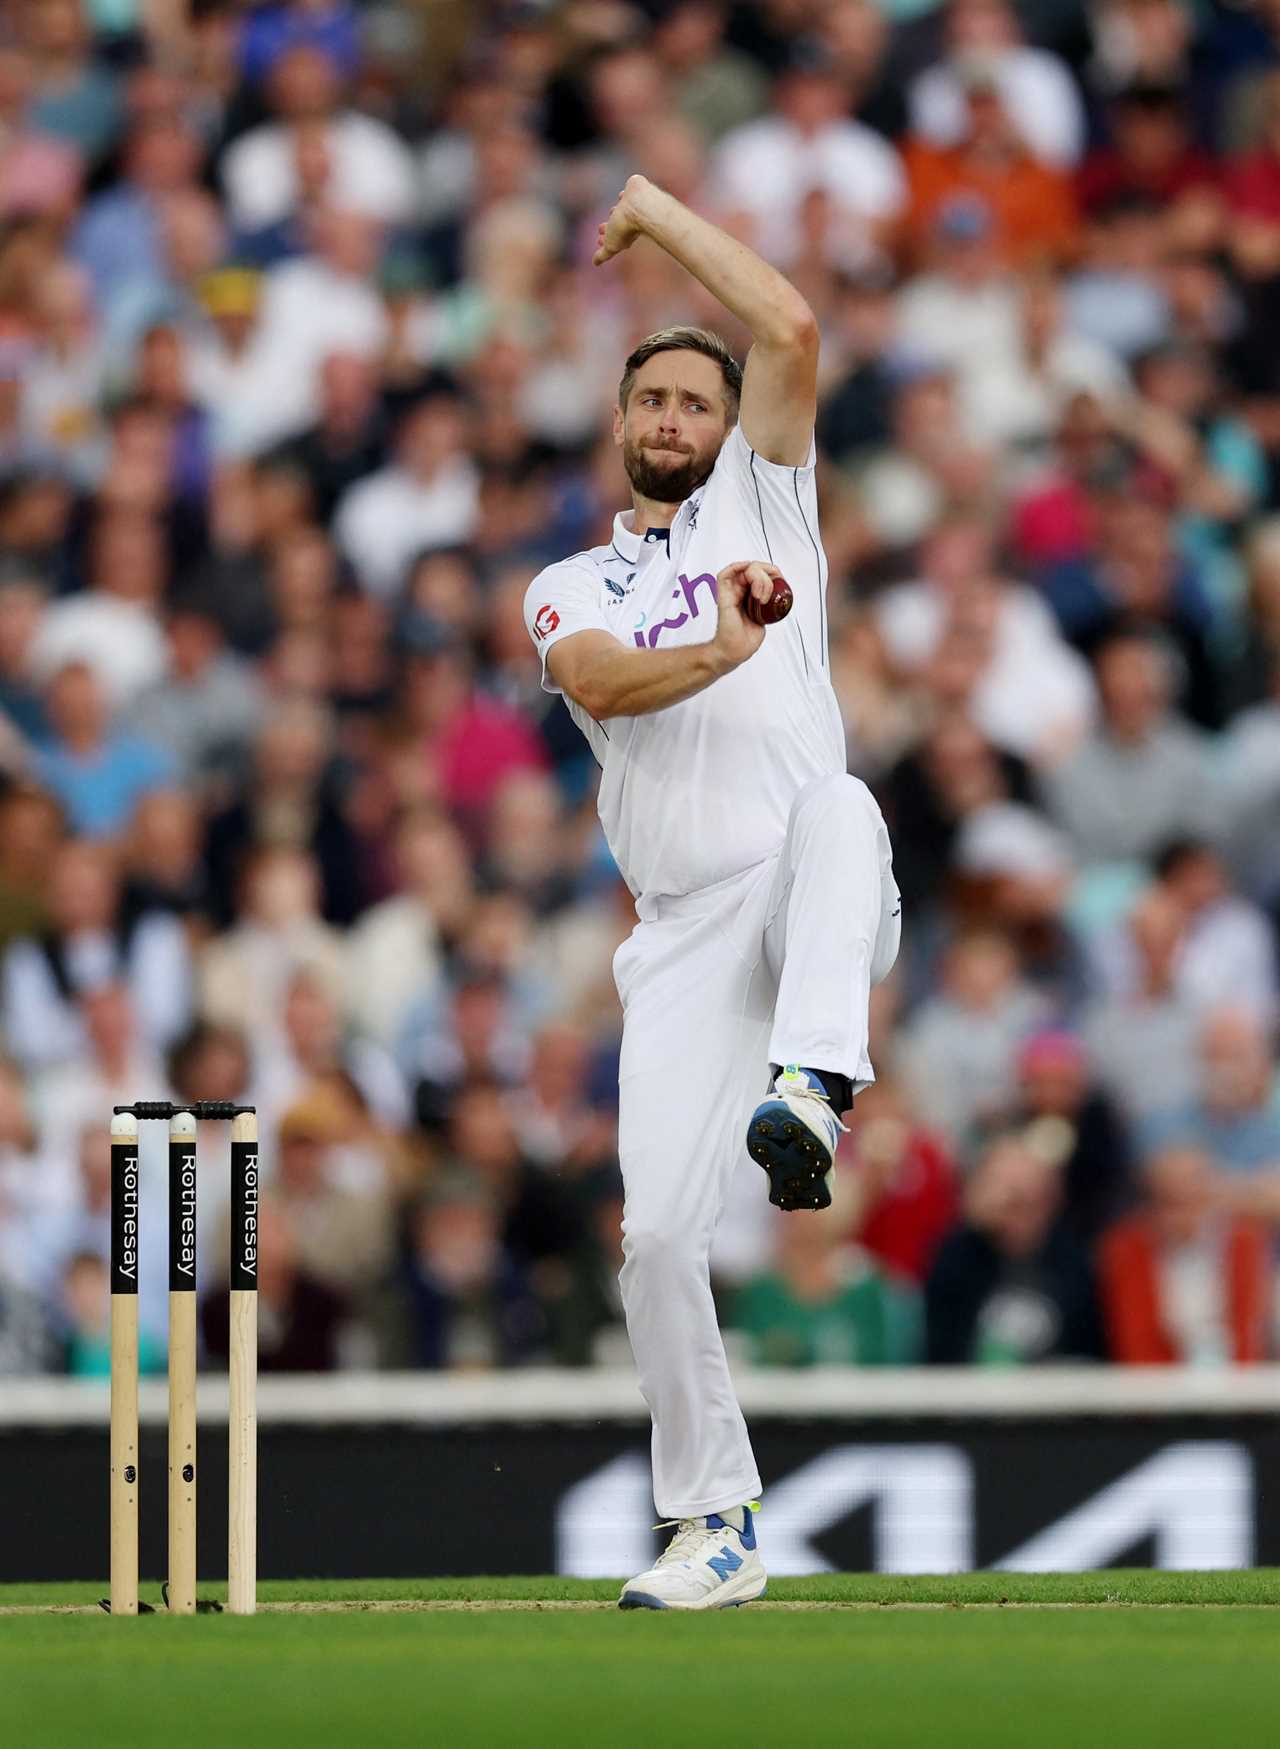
{"x": 761, "y": 870}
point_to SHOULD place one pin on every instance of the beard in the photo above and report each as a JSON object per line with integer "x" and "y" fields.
{"x": 663, "y": 475}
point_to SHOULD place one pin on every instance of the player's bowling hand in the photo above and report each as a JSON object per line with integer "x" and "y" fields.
{"x": 736, "y": 636}
{"x": 622, "y": 227}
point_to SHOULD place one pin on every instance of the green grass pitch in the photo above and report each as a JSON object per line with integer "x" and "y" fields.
{"x": 1001, "y": 1661}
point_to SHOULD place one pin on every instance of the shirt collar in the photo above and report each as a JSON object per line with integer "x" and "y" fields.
{"x": 632, "y": 546}
{"x": 625, "y": 541}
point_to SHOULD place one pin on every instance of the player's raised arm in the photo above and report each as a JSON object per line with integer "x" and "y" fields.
{"x": 779, "y": 388}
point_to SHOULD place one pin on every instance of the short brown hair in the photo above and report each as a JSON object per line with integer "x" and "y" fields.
{"x": 685, "y": 340}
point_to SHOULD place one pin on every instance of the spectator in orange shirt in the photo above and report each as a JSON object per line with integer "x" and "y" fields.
{"x": 1180, "y": 1282}
{"x": 1032, "y": 205}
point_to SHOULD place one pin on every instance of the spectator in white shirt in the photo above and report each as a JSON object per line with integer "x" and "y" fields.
{"x": 37, "y": 1188}
{"x": 245, "y": 971}
{"x": 112, "y": 626}
{"x": 253, "y": 392}
{"x": 369, "y": 168}
{"x": 87, "y": 946}
{"x": 426, "y": 498}
{"x": 396, "y": 951}
{"x": 1019, "y": 403}
{"x": 964, "y": 310}
{"x": 258, "y": 373}
{"x": 118, "y": 1059}
{"x": 762, "y": 172}
{"x": 1228, "y": 951}
{"x": 1038, "y": 93}
{"x": 904, "y": 486}
{"x": 325, "y": 301}
{"x": 313, "y": 1047}
{"x": 1015, "y": 361}
{"x": 1034, "y": 690}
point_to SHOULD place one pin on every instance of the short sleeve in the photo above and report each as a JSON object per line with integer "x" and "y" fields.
{"x": 561, "y": 600}
{"x": 759, "y": 482}
{"x": 781, "y": 501}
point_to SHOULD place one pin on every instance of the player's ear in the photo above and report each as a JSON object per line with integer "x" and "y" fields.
{"x": 618, "y": 418}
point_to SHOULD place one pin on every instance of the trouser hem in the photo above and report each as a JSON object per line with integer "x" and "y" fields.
{"x": 724, "y": 1502}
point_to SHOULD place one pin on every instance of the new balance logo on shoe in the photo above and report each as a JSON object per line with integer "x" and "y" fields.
{"x": 724, "y": 1563}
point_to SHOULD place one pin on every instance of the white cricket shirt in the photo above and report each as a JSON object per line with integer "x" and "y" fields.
{"x": 700, "y": 791}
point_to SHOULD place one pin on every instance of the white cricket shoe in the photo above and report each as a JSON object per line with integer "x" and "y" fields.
{"x": 793, "y": 1136}
{"x": 710, "y": 1563}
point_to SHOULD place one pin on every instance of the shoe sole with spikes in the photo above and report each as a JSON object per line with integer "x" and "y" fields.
{"x": 798, "y": 1166}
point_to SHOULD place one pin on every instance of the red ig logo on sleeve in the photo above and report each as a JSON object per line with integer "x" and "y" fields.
{"x": 545, "y": 621}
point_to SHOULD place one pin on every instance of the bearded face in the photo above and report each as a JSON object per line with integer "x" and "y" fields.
{"x": 665, "y": 473}
{"x": 675, "y": 422}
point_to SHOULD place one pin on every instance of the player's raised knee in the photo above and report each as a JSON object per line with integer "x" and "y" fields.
{"x": 837, "y": 791}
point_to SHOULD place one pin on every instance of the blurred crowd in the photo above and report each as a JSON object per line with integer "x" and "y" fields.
{"x": 304, "y": 373}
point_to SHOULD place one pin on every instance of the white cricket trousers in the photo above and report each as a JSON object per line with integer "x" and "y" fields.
{"x": 774, "y": 965}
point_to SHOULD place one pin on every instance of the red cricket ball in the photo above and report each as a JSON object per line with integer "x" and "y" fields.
{"x": 778, "y": 606}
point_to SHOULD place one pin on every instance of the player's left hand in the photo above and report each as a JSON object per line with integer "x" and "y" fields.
{"x": 620, "y": 230}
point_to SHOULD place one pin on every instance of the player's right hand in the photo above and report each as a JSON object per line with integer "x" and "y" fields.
{"x": 620, "y": 230}
{"x": 737, "y": 637}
